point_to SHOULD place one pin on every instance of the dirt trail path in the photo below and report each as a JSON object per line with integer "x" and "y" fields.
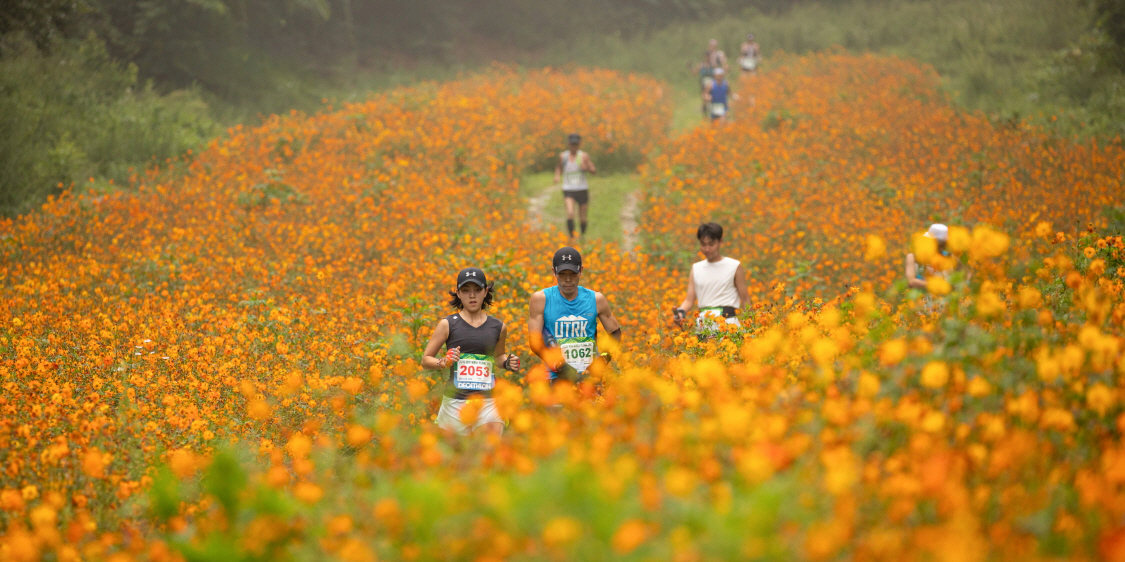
{"x": 614, "y": 198}
{"x": 535, "y": 207}
{"x": 612, "y": 212}
{"x": 629, "y": 235}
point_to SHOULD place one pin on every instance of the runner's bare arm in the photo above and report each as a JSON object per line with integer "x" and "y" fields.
{"x": 589, "y": 162}
{"x": 707, "y": 92}
{"x": 558, "y": 170}
{"x": 912, "y": 279}
{"x": 535, "y": 330}
{"x": 509, "y": 361}
{"x": 605, "y": 314}
{"x": 740, "y": 286}
{"x": 429, "y": 356}
{"x": 689, "y": 300}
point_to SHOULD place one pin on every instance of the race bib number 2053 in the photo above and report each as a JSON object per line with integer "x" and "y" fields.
{"x": 474, "y": 372}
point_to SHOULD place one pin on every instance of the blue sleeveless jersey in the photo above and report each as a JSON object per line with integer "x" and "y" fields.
{"x": 572, "y": 325}
{"x": 719, "y": 92}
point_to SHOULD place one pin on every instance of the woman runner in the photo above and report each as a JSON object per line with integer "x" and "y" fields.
{"x": 474, "y": 343}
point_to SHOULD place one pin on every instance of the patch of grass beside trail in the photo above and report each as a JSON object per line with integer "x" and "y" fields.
{"x": 607, "y": 198}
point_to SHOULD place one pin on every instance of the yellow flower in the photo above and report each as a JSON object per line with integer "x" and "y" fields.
{"x": 629, "y": 536}
{"x": 959, "y": 239}
{"x": 938, "y": 285}
{"x": 868, "y": 385}
{"x": 933, "y": 422}
{"x": 876, "y": 248}
{"x": 561, "y": 531}
{"x": 935, "y": 374}
{"x": 988, "y": 243}
{"x": 307, "y": 492}
{"x": 1100, "y": 398}
{"x": 182, "y": 463}
{"x": 979, "y": 387}
{"x": 892, "y": 352}
{"x": 679, "y": 481}
{"x": 989, "y": 304}
{"x": 1030, "y": 297}
{"x": 1043, "y": 229}
{"x": 925, "y": 248}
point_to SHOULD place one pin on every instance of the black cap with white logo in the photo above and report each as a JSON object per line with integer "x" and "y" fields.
{"x": 471, "y": 275}
{"x": 574, "y": 138}
{"x": 567, "y": 259}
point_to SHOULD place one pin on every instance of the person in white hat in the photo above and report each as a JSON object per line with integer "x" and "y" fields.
{"x": 916, "y": 273}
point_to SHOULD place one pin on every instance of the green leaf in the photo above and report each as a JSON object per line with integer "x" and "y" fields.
{"x": 224, "y": 479}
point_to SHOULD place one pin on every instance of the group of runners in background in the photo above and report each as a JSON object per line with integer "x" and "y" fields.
{"x": 712, "y": 72}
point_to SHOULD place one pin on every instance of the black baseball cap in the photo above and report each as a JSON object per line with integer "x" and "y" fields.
{"x": 567, "y": 259}
{"x": 471, "y": 275}
{"x": 574, "y": 138}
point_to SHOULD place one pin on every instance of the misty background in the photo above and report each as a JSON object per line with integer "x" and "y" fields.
{"x": 92, "y": 92}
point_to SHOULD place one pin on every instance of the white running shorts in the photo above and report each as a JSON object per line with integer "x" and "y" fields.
{"x": 449, "y": 416}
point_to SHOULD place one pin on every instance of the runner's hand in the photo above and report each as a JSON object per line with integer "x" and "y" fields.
{"x": 567, "y": 373}
{"x": 678, "y": 315}
{"x": 606, "y": 356}
{"x": 453, "y": 355}
{"x": 512, "y": 363}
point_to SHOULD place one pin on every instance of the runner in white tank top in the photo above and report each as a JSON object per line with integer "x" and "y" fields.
{"x": 571, "y": 170}
{"x": 717, "y": 283}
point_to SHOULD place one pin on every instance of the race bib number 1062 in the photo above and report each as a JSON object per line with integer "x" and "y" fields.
{"x": 578, "y": 352}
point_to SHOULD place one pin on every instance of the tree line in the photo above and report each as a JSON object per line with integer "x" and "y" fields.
{"x": 221, "y": 45}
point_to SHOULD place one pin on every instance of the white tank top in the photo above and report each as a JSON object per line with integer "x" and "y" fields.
{"x": 573, "y": 178}
{"x": 714, "y": 283}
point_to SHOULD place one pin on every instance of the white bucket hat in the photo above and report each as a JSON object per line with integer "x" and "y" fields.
{"x": 938, "y": 231}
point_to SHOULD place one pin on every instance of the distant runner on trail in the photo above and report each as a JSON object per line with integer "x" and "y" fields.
{"x": 718, "y": 95}
{"x": 571, "y": 169}
{"x": 562, "y": 324}
{"x": 917, "y": 274}
{"x": 749, "y": 55}
{"x": 706, "y": 78}
{"x": 718, "y": 283}
{"x": 474, "y": 344}
{"x": 715, "y": 56}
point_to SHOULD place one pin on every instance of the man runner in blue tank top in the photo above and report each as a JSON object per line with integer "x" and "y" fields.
{"x": 718, "y": 95}
{"x": 563, "y": 321}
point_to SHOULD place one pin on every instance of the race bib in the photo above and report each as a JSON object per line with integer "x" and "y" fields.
{"x": 718, "y": 109}
{"x": 578, "y": 352}
{"x": 572, "y": 178}
{"x": 473, "y": 372}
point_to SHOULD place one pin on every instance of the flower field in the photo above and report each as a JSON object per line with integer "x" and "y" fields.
{"x": 223, "y": 363}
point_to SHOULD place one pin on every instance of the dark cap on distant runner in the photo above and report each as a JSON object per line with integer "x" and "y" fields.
{"x": 567, "y": 259}
{"x": 471, "y": 275}
{"x": 574, "y": 138}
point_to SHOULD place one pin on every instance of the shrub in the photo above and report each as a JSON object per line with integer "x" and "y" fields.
{"x": 73, "y": 113}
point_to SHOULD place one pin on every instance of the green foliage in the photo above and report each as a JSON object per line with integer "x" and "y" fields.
{"x": 225, "y": 480}
{"x": 75, "y": 114}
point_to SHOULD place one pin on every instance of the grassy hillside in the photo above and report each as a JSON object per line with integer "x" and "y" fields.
{"x": 1012, "y": 59}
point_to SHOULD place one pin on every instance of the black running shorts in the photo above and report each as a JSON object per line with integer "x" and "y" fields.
{"x": 581, "y": 197}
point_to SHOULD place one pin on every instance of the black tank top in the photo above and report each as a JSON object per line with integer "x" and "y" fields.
{"x": 481, "y": 340}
